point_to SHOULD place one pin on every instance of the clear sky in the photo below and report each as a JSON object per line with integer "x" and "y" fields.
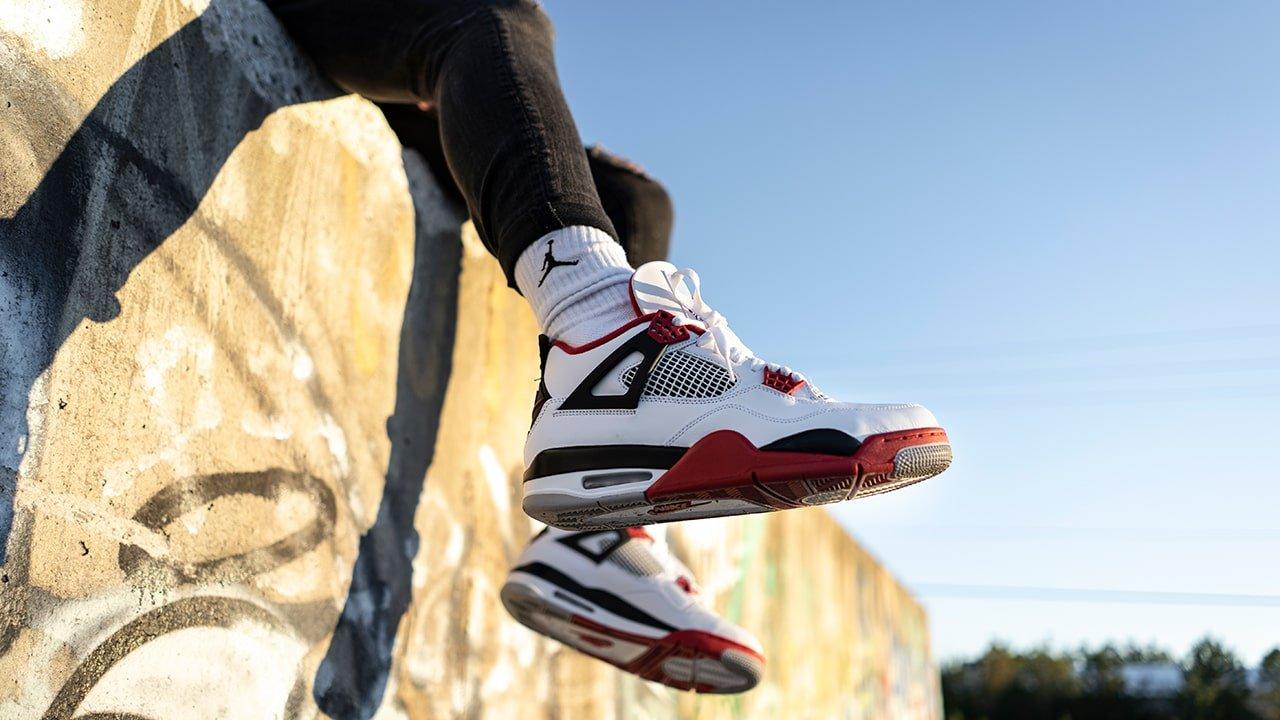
{"x": 1055, "y": 224}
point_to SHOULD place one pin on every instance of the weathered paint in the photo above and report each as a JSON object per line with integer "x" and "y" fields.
{"x": 261, "y": 407}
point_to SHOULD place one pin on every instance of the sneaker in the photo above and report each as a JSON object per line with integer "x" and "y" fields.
{"x": 671, "y": 417}
{"x": 619, "y": 596}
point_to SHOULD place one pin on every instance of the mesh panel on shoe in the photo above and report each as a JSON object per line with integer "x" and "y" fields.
{"x": 679, "y": 374}
{"x": 635, "y": 558}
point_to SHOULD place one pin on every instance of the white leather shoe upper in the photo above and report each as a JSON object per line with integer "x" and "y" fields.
{"x": 707, "y": 382}
{"x": 641, "y": 572}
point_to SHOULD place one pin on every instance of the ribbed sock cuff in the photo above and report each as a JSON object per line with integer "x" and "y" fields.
{"x": 576, "y": 279}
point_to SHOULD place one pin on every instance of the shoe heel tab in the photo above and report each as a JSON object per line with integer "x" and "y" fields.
{"x": 542, "y": 395}
{"x": 544, "y": 350}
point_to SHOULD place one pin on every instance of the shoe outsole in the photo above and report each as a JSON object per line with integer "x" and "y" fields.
{"x": 723, "y": 474}
{"x": 686, "y": 660}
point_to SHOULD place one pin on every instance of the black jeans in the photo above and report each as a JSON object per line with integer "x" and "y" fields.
{"x": 498, "y": 118}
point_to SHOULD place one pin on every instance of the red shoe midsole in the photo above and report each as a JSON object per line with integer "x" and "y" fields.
{"x": 681, "y": 643}
{"x": 726, "y": 463}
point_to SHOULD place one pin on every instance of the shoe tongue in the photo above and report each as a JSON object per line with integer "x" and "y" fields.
{"x": 651, "y": 291}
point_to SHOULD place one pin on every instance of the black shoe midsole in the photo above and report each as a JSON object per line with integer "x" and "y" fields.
{"x": 601, "y": 598}
{"x": 557, "y": 461}
{"x": 602, "y": 457}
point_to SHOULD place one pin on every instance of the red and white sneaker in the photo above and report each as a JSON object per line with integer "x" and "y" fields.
{"x": 619, "y": 596}
{"x": 671, "y": 417}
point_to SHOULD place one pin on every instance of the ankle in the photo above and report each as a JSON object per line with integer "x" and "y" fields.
{"x": 576, "y": 279}
{"x": 593, "y": 316}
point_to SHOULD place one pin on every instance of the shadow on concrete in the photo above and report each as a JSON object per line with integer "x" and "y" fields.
{"x": 133, "y": 172}
{"x": 353, "y": 675}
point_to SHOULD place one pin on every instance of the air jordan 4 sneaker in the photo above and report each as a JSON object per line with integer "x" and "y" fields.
{"x": 619, "y": 596}
{"x": 671, "y": 417}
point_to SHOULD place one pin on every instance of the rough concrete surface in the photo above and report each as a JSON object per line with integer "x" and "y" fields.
{"x": 261, "y": 406}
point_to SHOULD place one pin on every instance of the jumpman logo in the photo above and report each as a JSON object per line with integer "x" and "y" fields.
{"x": 550, "y": 262}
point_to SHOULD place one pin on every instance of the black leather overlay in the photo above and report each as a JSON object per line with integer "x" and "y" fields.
{"x": 583, "y": 397}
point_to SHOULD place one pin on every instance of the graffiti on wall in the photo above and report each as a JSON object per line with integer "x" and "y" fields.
{"x": 240, "y": 471}
{"x": 127, "y": 531}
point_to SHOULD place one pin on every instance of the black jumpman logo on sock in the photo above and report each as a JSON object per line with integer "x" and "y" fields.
{"x": 550, "y": 262}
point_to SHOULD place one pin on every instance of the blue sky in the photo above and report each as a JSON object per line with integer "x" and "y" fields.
{"x": 1056, "y": 224}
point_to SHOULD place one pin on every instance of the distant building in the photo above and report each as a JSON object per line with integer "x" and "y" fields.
{"x": 1152, "y": 680}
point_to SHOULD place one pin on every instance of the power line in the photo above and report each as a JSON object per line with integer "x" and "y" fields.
{"x": 1076, "y": 344}
{"x": 1004, "y": 533}
{"x": 1094, "y": 595}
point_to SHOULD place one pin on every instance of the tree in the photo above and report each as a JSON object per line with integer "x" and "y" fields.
{"x": 1101, "y": 670}
{"x": 1215, "y": 686}
{"x": 1266, "y": 692}
{"x": 1090, "y": 684}
{"x": 1103, "y": 693}
{"x": 1002, "y": 684}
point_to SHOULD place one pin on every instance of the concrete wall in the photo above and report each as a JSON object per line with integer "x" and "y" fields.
{"x": 261, "y": 406}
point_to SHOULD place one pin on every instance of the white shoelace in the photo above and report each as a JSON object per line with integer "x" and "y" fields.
{"x": 718, "y": 337}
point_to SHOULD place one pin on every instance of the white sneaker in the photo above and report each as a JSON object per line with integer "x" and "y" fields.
{"x": 671, "y": 417}
{"x": 618, "y": 596}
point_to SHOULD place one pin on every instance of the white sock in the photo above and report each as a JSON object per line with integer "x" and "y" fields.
{"x": 584, "y": 294}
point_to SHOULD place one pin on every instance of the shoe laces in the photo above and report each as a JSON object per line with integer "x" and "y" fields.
{"x": 718, "y": 338}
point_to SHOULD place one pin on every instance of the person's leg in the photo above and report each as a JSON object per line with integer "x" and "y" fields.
{"x": 637, "y": 204}
{"x": 511, "y": 145}
{"x": 699, "y": 426}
